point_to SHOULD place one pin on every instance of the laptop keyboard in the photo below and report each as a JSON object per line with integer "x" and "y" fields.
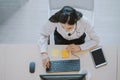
{"x": 64, "y": 65}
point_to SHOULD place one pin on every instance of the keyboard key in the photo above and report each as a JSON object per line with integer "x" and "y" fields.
{"x": 64, "y": 66}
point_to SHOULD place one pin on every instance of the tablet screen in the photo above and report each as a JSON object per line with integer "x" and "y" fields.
{"x": 98, "y": 57}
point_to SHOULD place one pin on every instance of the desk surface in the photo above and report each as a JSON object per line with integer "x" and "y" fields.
{"x": 16, "y": 59}
{"x": 107, "y": 72}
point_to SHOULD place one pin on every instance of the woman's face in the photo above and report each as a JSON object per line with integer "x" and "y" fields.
{"x": 67, "y": 26}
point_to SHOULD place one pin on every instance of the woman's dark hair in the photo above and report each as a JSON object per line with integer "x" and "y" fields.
{"x": 66, "y": 15}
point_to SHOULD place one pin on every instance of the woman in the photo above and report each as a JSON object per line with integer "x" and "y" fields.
{"x": 70, "y": 28}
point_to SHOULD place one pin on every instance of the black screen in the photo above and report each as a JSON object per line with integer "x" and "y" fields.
{"x": 98, "y": 56}
{"x": 63, "y": 77}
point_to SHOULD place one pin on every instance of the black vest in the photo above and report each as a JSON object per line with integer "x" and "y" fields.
{"x": 59, "y": 40}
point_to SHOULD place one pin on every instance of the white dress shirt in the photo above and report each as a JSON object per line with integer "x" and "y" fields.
{"x": 82, "y": 26}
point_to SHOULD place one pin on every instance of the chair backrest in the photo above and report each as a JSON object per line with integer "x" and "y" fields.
{"x": 81, "y": 4}
{"x": 84, "y": 6}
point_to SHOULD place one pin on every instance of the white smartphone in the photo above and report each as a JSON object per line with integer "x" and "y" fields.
{"x": 98, "y": 57}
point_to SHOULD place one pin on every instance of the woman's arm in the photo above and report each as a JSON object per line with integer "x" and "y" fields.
{"x": 43, "y": 42}
{"x": 93, "y": 38}
{"x": 44, "y": 34}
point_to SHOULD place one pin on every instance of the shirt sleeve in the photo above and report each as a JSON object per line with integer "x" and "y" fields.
{"x": 44, "y": 35}
{"x": 94, "y": 39}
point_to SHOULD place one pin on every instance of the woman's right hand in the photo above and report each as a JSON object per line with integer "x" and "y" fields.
{"x": 45, "y": 60}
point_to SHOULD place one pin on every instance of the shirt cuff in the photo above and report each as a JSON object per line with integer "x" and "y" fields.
{"x": 83, "y": 47}
{"x": 43, "y": 50}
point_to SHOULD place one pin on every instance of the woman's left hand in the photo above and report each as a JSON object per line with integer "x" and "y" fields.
{"x": 73, "y": 48}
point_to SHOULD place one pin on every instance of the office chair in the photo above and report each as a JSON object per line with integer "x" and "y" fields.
{"x": 84, "y": 6}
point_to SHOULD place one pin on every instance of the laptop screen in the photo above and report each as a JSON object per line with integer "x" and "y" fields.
{"x": 63, "y": 77}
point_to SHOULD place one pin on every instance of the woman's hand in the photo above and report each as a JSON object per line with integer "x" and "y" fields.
{"x": 45, "y": 60}
{"x": 73, "y": 48}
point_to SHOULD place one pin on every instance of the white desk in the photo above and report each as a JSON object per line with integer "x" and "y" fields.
{"x": 17, "y": 57}
{"x": 118, "y": 67}
{"x": 107, "y": 72}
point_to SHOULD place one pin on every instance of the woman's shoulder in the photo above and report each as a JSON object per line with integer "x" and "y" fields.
{"x": 50, "y": 25}
{"x": 83, "y": 20}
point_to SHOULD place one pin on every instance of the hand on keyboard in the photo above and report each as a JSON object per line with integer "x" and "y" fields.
{"x": 45, "y": 60}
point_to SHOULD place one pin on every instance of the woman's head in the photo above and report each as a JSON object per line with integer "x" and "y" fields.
{"x": 66, "y": 15}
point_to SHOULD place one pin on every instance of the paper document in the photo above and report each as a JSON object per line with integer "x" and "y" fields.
{"x": 55, "y": 52}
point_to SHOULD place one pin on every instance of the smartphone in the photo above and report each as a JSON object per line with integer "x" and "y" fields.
{"x": 98, "y": 57}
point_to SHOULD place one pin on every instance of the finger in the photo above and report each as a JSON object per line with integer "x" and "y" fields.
{"x": 48, "y": 65}
{"x": 48, "y": 62}
{"x": 44, "y": 63}
{"x": 73, "y": 50}
{"x": 68, "y": 47}
{"x": 71, "y": 46}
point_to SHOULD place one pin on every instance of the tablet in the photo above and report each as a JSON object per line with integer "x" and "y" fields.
{"x": 98, "y": 57}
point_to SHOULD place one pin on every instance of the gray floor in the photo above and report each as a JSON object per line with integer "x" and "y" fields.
{"x": 23, "y": 26}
